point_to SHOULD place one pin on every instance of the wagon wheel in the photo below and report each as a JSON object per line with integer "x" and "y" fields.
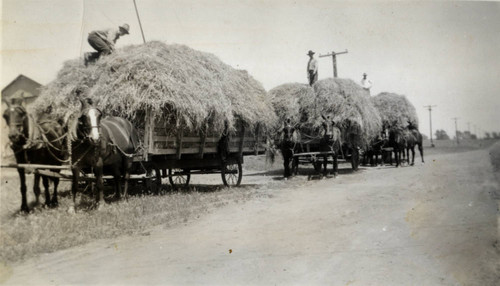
{"x": 231, "y": 174}
{"x": 355, "y": 159}
{"x": 179, "y": 177}
{"x": 153, "y": 179}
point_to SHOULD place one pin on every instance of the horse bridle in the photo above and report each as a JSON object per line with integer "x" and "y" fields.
{"x": 87, "y": 135}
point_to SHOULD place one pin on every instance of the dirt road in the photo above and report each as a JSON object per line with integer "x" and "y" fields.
{"x": 432, "y": 224}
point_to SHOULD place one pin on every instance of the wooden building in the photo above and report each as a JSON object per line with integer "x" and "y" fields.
{"x": 21, "y": 87}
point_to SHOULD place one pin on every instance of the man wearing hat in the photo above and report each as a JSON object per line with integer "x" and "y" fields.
{"x": 312, "y": 68}
{"x": 366, "y": 83}
{"x": 104, "y": 41}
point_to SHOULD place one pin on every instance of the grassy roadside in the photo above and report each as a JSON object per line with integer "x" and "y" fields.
{"x": 47, "y": 230}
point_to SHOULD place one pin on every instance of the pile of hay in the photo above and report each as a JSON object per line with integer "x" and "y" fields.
{"x": 343, "y": 100}
{"x": 395, "y": 110}
{"x": 288, "y": 98}
{"x": 350, "y": 106}
{"x": 189, "y": 87}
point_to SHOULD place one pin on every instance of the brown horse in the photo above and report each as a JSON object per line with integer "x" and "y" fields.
{"x": 374, "y": 150}
{"x": 106, "y": 145}
{"x": 36, "y": 143}
{"x": 414, "y": 138}
{"x": 398, "y": 141}
{"x": 288, "y": 144}
{"x": 330, "y": 142}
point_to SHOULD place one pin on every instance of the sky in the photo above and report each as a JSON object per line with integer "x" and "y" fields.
{"x": 436, "y": 53}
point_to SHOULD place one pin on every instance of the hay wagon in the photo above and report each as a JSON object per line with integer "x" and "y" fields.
{"x": 312, "y": 151}
{"x": 178, "y": 154}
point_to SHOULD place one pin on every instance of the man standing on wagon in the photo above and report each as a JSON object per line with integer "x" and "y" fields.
{"x": 104, "y": 42}
{"x": 312, "y": 68}
{"x": 366, "y": 83}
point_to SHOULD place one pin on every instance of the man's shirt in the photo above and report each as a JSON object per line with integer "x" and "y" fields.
{"x": 312, "y": 65}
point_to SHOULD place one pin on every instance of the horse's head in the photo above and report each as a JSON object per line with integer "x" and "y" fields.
{"x": 87, "y": 123}
{"x": 288, "y": 130}
{"x": 16, "y": 117}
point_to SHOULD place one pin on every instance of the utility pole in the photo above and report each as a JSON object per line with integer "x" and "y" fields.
{"x": 429, "y": 107}
{"x": 456, "y": 129}
{"x": 334, "y": 60}
{"x": 139, "y": 19}
{"x": 475, "y": 131}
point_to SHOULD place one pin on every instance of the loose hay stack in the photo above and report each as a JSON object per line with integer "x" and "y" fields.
{"x": 173, "y": 81}
{"x": 350, "y": 107}
{"x": 287, "y": 100}
{"x": 342, "y": 99}
{"x": 395, "y": 110}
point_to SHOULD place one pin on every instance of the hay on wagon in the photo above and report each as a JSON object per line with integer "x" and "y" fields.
{"x": 342, "y": 99}
{"x": 189, "y": 88}
{"x": 395, "y": 110}
{"x": 350, "y": 107}
{"x": 287, "y": 100}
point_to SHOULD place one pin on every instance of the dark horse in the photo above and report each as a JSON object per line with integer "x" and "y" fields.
{"x": 288, "y": 145}
{"x": 330, "y": 142}
{"x": 414, "y": 138}
{"x": 34, "y": 143}
{"x": 398, "y": 141}
{"x": 100, "y": 146}
{"x": 374, "y": 150}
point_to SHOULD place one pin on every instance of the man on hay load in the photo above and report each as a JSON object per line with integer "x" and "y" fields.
{"x": 366, "y": 83}
{"x": 104, "y": 42}
{"x": 312, "y": 68}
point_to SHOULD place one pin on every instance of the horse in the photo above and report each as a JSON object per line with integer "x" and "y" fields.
{"x": 289, "y": 137}
{"x": 398, "y": 141}
{"x": 101, "y": 145}
{"x": 414, "y": 138}
{"x": 330, "y": 142}
{"x": 374, "y": 150}
{"x": 35, "y": 143}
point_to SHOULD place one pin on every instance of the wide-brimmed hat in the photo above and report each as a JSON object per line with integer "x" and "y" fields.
{"x": 125, "y": 28}
{"x": 310, "y": 53}
{"x": 364, "y": 74}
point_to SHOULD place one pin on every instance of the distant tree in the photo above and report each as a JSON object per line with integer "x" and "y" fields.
{"x": 473, "y": 136}
{"x": 441, "y": 135}
{"x": 495, "y": 135}
{"x": 459, "y": 134}
{"x": 487, "y": 135}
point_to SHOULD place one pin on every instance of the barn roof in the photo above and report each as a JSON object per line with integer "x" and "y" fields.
{"x": 21, "y": 86}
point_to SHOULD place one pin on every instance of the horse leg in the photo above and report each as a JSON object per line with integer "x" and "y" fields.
{"x": 325, "y": 165}
{"x": 45, "y": 181}
{"x": 36, "y": 188}
{"x": 421, "y": 149}
{"x": 126, "y": 176}
{"x": 54, "y": 202}
{"x": 117, "y": 181}
{"x": 335, "y": 164}
{"x": 286, "y": 164}
{"x": 413, "y": 155}
{"x": 24, "y": 200}
{"x": 98, "y": 172}
{"x": 74, "y": 188}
